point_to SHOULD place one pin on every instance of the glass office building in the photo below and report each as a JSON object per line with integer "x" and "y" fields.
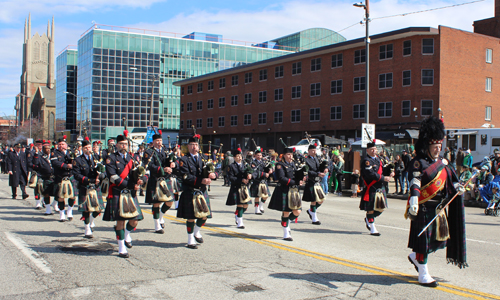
{"x": 309, "y": 39}
{"x": 66, "y": 77}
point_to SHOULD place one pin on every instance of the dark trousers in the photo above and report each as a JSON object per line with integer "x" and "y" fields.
{"x": 340, "y": 176}
{"x": 23, "y": 189}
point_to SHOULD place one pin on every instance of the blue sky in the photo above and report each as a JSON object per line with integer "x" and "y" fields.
{"x": 251, "y": 20}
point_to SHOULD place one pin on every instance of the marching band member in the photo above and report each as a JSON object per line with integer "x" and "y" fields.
{"x": 86, "y": 175}
{"x": 30, "y": 154}
{"x": 122, "y": 204}
{"x": 432, "y": 184}
{"x": 109, "y": 150}
{"x": 61, "y": 163}
{"x": 96, "y": 150}
{"x": 191, "y": 167}
{"x": 43, "y": 166}
{"x": 371, "y": 173}
{"x": 314, "y": 178}
{"x": 239, "y": 180}
{"x": 259, "y": 177}
{"x": 279, "y": 200}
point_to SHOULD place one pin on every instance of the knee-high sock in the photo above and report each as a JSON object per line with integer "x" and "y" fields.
{"x": 46, "y": 200}
{"x": 240, "y": 210}
{"x": 156, "y": 213}
{"x": 313, "y": 208}
{"x": 129, "y": 227}
{"x": 120, "y": 234}
{"x": 370, "y": 217}
{"x": 71, "y": 202}
{"x": 164, "y": 208}
{"x": 376, "y": 214}
{"x": 61, "y": 205}
{"x": 176, "y": 197}
{"x": 318, "y": 205}
{"x": 200, "y": 222}
{"x": 95, "y": 214}
{"x": 292, "y": 217}
{"x": 284, "y": 221}
{"x": 421, "y": 258}
{"x": 189, "y": 227}
{"x": 86, "y": 218}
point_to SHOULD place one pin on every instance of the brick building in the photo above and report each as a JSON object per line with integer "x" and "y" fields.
{"x": 414, "y": 72}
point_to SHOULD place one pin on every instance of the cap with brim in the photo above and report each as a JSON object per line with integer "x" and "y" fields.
{"x": 17, "y": 145}
{"x": 38, "y": 142}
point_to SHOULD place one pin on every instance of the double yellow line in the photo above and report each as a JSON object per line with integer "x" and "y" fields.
{"x": 448, "y": 288}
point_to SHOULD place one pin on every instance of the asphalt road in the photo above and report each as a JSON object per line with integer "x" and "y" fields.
{"x": 41, "y": 258}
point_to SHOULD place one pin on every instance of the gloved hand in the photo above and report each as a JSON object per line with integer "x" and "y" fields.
{"x": 413, "y": 209}
{"x": 460, "y": 188}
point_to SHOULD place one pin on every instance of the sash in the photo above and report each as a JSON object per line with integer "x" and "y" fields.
{"x": 123, "y": 175}
{"x": 366, "y": 196}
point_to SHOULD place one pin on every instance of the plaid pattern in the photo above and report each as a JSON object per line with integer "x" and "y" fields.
{"x": 186, "y": 208}
{"x": 254, "y": 188}
{"x": 369, "y": 205}
{"x": 427, "y": 242}
{"x": 82, "y": 206}
{"x": 112, "y": 211}
{"x": 279, "y": 200}
{"x": 309, "y": 195}
{"x": 49, "y": 187}
{"x": 233, "y": 197}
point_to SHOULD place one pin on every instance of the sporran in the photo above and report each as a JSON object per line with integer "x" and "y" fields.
{"x": 380, "y": 202}
{"x": 318, "y": 192}
{"x": 127, "y": 206}
{"x": 294, "y": 201}
{"x": 263, "y": 191}
{"x": 442, "y": 230}
{"x": 162, "y": 193}
{"x": 66, "y": 189}
{"x": 33, "y": 180}
{"x": 244, "y": 194}
{"x": 200, "y": 205}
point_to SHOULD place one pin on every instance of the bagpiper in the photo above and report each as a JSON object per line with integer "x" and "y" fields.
{"x": 96, "y": 150}
{"x": 374, "y": 195}
{"x": 238, "y": 195}
{"x": 313, "y": 192}
{"x": 90, "y": 202}
{"x": 286, "y": 188}
{"x": 158, "y": 191}
{"x": 259, "y": 188}
{"x": 43, "y": 166}
{"x": 432, "y": 185}
{"x": 194, "y": 204}
{"x": 30, "y": 154}
{"x": 122, "y": 204}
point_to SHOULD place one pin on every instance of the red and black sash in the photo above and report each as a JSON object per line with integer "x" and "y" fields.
{"x": 366, "y": 196}
{"x": 123, "y": 175}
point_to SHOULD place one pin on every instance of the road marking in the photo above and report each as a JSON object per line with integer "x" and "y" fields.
{"x": 29, "y": 253}
{"x": 448, "y": 288}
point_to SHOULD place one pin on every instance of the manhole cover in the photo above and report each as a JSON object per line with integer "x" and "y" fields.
{"x": 86, "y": 247}
{"x": 248, "y": 288}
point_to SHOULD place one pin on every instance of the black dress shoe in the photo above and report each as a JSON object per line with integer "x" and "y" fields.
{"x": 241, "y": 227}
{"x": 123, "y": 255}
{"x": 63, "y": 220}
{"x": 128, "y": 244}
{"x": 26, "y": 196}
{"x": 199, "y": 240}
{"x": 430, "y": 284}
{"x": 161, "y": 231}
{"x": 48, "y": 214}
{"x": 38, "y": 208}
{"x": 316, "y": 223}
{"x": 375, "y": 234}
{"x": 192, "y": 246}
{"x": 288, "y": 239}
{"x": 14, "y": 197}
{"x": 89, "y": 236}
{"x": 70, "y": 219}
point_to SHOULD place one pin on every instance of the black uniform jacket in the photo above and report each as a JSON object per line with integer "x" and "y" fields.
{"x": 84, "y": 172}
{"x": 18, "y": 165}
{"x": 42, "y": 165}
{"x": 60, "y": 161}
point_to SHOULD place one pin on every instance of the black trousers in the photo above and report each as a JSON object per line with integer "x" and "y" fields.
{"x": 23, "y": 189}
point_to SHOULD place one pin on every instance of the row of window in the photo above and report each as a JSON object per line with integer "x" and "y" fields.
{"x": 385, "y": 110}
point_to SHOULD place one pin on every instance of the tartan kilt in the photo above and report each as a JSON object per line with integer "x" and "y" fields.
{"x": 48, "y": 187}
{"x": 82, "y": 206}
{"x": 427, "y": 242}
{"x": 254, "y": 189}
{"x": 185, "y": 210}
{"x": 112, "y": 211}
{"x": 151, "y": 190}
{"x": 279, "y": 200}
{"x": 309, "y": 195}
{"x": 74, "y": 183}
{"x": 369, "y": 205}
{"x": 233, "y": 198}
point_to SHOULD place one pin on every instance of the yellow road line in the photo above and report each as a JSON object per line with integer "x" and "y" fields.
{"x": 448, "y": 288}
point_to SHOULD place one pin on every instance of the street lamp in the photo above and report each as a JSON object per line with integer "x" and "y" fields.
{"x": 81, "y": 110}
{"x": 153, "y": 79}
{"x": 366, "y": 6}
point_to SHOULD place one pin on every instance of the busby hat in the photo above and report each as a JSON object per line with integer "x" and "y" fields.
{"x": 431, "y": 132}
{"x": 288, "y": 150}
{"x": 236, "y": 152}
{"x": 120, "y": 138}
{"x": 194, "y": 139}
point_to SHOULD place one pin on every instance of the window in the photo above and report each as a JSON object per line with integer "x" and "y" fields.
{"x": 222, "y": 102}
{"x": 182, "y": 91}
{"x": 262, "y": 96}
{"x": 469, "y": 142}
{"x": 336, "y": 113}
{"x": 385, "y": 109}
{"x": 234, "y": 100}
{"x": 278, "y": 95}
{"x": 221, "y": 121}
{"x": 189, "y": 124}
{"x": 199, "y": 123}
{"x": 234, "y": 120}
{"x": 315, "y": 89}
{"x": 297, "y": 68}
{"x": 200, "y": 87}
{"x": 262, "y": 118}
{"x": 407, "y": 48}
{"x": 428, "y": 77}
{"x": 247, "y": 119}
{"x": 385, "y": 81}
{"x": 487, "y": 115}
{"x": 427, "y": 46}
{"x": 210, "y": 85}
{"x": 407, "y": 78}
{"x": 314, "y": 114}
{"x": 181, "y": 125}
{"x": 210, "y": 104}
{"x": 222, "y": 83}
{"x": 489, "y": 56}
{"x": 182, "y": 107}
{"x": 360, "y": 56}
{"x": 386, "y": 51}
{"x": 406, "y": 108}
{"x": 278, "y": 117}
{"x": 315, "y": 64}
{"x": 199, "y": 105}
{"x": 336, "y": 87}
{"x": 295, "y": 116}
{"x": 263, "y": 75}
{"x": 359, "y": 84}
{"x": 189, "y": 106}
{"x": 296, "y": 92}
{"x": 248, "y": 98}
{"x": 234, "y": 80}
{"x": 426, "y": 107}
{"x": 190, "y": 89}
{"x": 488, "y": 84}
{"x": 248, "y": 77}
{"x": 278, "y": 72}
{"x": 358, "y": 111}
{"x": 210, "y": 122}
{"x": 337, "y": 60}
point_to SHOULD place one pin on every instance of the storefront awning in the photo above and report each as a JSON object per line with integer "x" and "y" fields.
{"x": 397, "y": 135}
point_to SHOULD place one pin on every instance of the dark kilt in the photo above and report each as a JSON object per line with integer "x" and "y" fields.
{"x": 233, "y": 198}
{"x": 279, "y": 199}
{"x": 185, "y": 210}
{"x": 427, "y": 242}
{"x": 309, "y": 195}
{"x": 171, "y": 187}
{"x": 48, "y": 187}
{"x": 254, "y": 188}
{"x": 112, "y": 211}
{"x": 74, "y": 183}
{"x": 369, "y": 205}
{"x": 82, "y": 206}
{"x": 151, "y": 191}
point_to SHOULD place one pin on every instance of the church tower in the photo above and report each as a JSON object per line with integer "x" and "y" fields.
{"x": 38, "y": 68}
